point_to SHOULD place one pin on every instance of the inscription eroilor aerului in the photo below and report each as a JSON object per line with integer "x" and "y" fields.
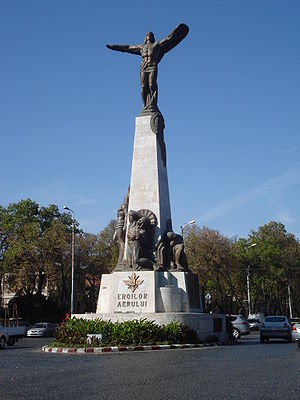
{"x": 132, "y": 299}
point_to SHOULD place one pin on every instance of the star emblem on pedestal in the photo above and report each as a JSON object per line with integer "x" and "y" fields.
{"x": 134, "y": 282}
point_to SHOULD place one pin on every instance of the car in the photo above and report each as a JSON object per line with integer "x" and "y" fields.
{"x": 296, "y": 332}
{"x": 22, "y": 326}
{"x": 42, "y": 329}
{"x": 240, "y": 326}
{"x": 254, "y": 324}
{"x": 294, "y": 321}
{"x": 259, "y": 316}
{"x": 3, "y": 337}
{"x": 277, "y": 327}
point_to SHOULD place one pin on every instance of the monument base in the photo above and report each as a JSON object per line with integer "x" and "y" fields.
{"x": 145, "y": 292}
{"x": 159, "y": 296}
{"x": 206, "y": 325}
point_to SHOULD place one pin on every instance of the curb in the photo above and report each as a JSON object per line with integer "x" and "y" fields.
{"x": 98, "y": 350}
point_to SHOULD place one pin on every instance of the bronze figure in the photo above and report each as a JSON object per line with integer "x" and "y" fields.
{"x": 177, "y": 256}
{"x": 140, "y": 237}
{"x": 152, "y": 52}
{"x": 120, "y": 232}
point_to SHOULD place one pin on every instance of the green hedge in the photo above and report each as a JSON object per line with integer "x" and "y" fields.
{"x": 73, "y": 333}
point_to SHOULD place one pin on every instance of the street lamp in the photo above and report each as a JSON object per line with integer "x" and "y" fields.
{"x": 73, "y": 258}
{"x": 248, "y": 281}
{"x": 185, "y": 225}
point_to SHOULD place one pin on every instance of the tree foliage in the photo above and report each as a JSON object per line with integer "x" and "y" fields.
{"x": 36, "y": 251}
{"x": 222, "y": 264}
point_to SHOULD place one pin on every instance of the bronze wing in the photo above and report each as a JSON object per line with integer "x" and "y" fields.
{"x": 172, "y": 40}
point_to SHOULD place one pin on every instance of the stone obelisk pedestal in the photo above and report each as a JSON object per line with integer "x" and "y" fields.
{"x": 149, "y": 188}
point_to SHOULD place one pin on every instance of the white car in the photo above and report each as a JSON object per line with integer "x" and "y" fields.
{"x": 240, "y": 326}
{"x": 277, "y": 327}
{"x": 296, "y": 332}
{"x": 42, "y": 329}
{"x": 254, "y": 324}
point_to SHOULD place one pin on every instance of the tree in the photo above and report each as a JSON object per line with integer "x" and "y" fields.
{"x": 210, "y": 255}
{"x": 277, "y": 263}
{"x": 95, "y": 255}
{"x": 27, "y": 251}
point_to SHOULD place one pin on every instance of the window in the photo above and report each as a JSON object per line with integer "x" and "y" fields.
{"x": 275, "y": 319}
{"x": 217, "y": 324}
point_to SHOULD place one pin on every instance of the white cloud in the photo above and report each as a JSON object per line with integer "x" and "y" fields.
{"x": 285, "y": 217}
{"x": 270, "y": 188}
{"x": 57, "y": 192}
{"x": 287, "y": 150}
{"x": 83, "y": 200}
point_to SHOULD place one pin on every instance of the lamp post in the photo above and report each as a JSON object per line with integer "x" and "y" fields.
{"x": 185, "y": 225}
{"x": 248, "y": 281}
{"x": 73, "y": 258}
{"x": 290, "y": 298}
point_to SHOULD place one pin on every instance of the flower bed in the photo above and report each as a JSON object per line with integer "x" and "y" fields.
{"x": 73, "y": 333}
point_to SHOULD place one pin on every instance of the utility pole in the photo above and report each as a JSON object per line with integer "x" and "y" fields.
{"x": 248, "y": 281}
{"x": 2, "y": 291}
{"x": 73, "y": 259}
{"x": 290, "y": 299}
{"x": 248, "y": 288}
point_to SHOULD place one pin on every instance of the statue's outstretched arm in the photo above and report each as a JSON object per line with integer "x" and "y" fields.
{"x": 125, "y": 48}
{"x": 175, "y": 37}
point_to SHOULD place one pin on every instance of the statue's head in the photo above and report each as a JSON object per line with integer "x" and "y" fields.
{"x": 149, "y": 37}
{"x": 133, "y": 216}
{"x": 171, "y": 235}
{"x": 121, "y": 213}
{"x": 143, "y": 223}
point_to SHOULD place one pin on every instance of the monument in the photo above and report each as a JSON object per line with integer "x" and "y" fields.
{"x": 152, "y": 278}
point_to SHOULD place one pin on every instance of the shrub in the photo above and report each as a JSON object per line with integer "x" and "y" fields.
{"x": 211, "y": 339}
{"x": 73, "y": 332}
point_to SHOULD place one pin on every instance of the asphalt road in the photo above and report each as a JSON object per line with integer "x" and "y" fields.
{"x": 248, "y": 370}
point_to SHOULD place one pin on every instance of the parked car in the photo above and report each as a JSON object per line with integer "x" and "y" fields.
{"x": 3, "y": 337}
{"x": 240, "y": 326}
{"x": 296, "y": 332}
{"x": 258, "y": 316}
{"x": 277, "y": 327}
{"x": 42, "y": 329}
{"x": 12, "y": 335}
{"x": 254, "y": 324}
{"x": 22, "y": 326}
{"x": 294, "y": 321}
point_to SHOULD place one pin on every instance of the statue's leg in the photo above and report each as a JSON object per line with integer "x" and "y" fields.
{"x": 121, "y": 251}
{"x": 179, "y": 252}
{"x": 129, "y": 254}
{"x": 153, "y": 87}
{"x": 144, "y": 87}
{"x": 135, "y": 254}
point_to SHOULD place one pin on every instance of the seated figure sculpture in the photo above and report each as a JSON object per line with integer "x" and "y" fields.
{"x": 140, "y": 239}
{"x": 178, "y": 260}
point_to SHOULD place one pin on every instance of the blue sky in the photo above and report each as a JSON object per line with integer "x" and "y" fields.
{"x": 229, "y": 93}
